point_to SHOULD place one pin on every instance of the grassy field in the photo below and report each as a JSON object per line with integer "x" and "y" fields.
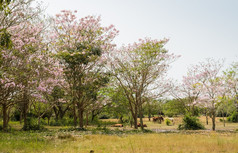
{"x": 122, "y": 140}
{"x": 132, "y": 143}
{"x": 178, "y": 120}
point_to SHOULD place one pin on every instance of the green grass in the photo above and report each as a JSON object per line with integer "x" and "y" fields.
{"x": 106, "y": 139}
{"x": 76, "y": 141}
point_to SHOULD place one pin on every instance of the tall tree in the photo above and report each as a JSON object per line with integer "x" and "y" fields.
{"x": 140, "y": 71}
{"x": 213, "y": 86}
{"x": 189, "y": 91}
{"x": 13, "y": 14}
{"x": 80, "y": 45}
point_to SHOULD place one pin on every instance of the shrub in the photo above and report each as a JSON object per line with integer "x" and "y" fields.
{"x": 63, "y": 122}
{"x": 55, "y": 123}
{"x": 168, "y": 122}
{"x": 32, "y": 124}
{"x": 106, "y": 130}
{"x": 233, "y": 117}
{"x": 190, "y": 123}
{"x": 66, "y": 136}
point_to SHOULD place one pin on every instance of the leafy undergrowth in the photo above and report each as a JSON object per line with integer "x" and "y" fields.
{"x": 191, "y": 123}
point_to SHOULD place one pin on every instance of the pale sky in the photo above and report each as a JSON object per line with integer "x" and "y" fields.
{"x": 197, "y": 29}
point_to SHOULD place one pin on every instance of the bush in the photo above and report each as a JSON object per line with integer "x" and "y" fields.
{"x": 168, "y": 122}
{"x": 63, "y": 122}
{"x": 233, "y": 117}
{"x": 190, "y": 123}
{"x": 32, "y": 124}
{"x": 65, "y": 136}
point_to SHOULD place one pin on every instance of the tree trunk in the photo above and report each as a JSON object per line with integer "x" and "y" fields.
{"x": 213, "y": 121}
{"x": 56, "y": 113}
{"x": 141, "y": 119}
{"x": 149, "y": 114}
{"x": 25, "y": 117}
{"x": 61, "y": 114}
{"x": 93, "y": 116}
{"x": 206, "y": 116}
{"x": 80, "y": 111}
{"x": 224, "y": 124}
{"x": 86, "y": 119}
{"x": 25, "y": 108}
{"x": 8, "y": 115}
{"x": 206, "y": 119}
{"x": 135, "y": 121}
{"x": 75, "y": 115}
{"x": 131, "y": 121}
{"x": 4, "y": 115}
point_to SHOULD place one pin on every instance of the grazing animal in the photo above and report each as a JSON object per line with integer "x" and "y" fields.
{"x": 117, "y": 125}
{"x": 160, "y": 119}
{"x": 155, "y": 119}
{"x": 139, "y": 125}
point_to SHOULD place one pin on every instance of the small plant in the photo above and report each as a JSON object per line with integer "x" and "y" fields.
{"x": 32, "y": 125}
{"x": 190, "y": 123}
{"x": 65, "y": 136}
{"x": 168, "y": 122}
{"x": 106, "y": 130}
{"x": 233, "y": 117}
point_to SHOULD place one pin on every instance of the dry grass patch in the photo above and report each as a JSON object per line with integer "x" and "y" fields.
{"x": 153, "y": 143}
{"x": 76, "y": 141}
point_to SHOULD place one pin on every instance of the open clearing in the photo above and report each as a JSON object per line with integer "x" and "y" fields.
{"x": 225, "y": 139}
{"x": 137, "y": 143}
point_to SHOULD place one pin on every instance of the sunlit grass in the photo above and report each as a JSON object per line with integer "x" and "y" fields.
{"x": 58, "y": 139}
{"x": 178, "y": 120}
{"x": 138, "y": 143}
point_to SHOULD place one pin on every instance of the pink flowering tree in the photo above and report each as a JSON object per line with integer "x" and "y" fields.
{"x": 189, "y": 91}
{"x": 81, "y": 45}
{"x": 231, "y": 78}
{"x": 140, "y": 70}
{"x": 35, "y": 69}
{"x": 8, "y": 87}
{"x": 12, "y": 14}
{"x": 231, "y": 84}
{"x": 211, "y": 84}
